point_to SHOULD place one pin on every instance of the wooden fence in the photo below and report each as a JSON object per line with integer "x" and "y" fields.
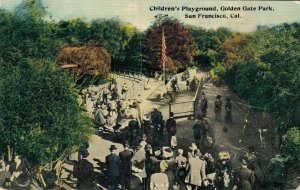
{"x": 190, "y": 109}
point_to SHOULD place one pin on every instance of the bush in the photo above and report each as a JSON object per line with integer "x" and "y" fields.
{"x": 290, "y": 148}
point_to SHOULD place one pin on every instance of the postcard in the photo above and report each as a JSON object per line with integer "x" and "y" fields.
{"x": 150, "y": 95}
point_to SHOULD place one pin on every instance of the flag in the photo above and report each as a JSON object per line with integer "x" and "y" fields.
{"x": 163, "y": 50}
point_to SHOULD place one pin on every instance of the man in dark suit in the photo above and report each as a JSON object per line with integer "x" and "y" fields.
{"x": 156, "y": 116}
{"x": 113, "y": 168}
{"x": 171, "y": 127}
{"x": 125, "y": 166}
{"x": 203, "y": 105}
{"x": 134, "y": 131}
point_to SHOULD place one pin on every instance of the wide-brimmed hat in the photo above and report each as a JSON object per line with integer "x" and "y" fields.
{"x": 146, "y": 118}
{"x": 113, "y": 147}
{"x": 193, "y": 146}
{"x": 224, "y": 155}
{"x": 168, "y": 153}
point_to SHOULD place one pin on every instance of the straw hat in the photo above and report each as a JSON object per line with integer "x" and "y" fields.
{"x": 224, "y": 155}
{"x": 163, "y": 165}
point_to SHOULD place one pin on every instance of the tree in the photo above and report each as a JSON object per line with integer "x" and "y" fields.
{"x": 264, "y": 70}
{"x": 290, "y": 147}
{"x": 73, "y": 31}
{"x": 113, "y": 36}
{"x": 40, "y": 118}
{"x": 208, "y": 42}
{"x": 136, "y": 52}
{"x": 180, "y": 44}
{"x": 24, "y": 33}
{"x": 91, "y": 59}
{"x": 234, "y": 49}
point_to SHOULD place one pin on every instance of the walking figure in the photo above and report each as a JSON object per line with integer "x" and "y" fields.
{"x": 125, "y": 166}
{"x": 218, "y": 108}
{"x": 113, "y": 168}
{"x": 171, "y": 130}
{"x": 204, "y": 105}
{"x": 228, "y": 109}
{"x": 198, "y": 131}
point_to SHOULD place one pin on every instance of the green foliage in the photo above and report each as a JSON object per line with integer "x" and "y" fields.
{"x": 208, "y": 42}
{"x": 290, "y": 148}
{"x": 113, "y": 35}
{"x": 25, "y": 34}
{"x": 73, "y": 31}
{"x": 264, "y": 69}
{"x": 40, "y": 117}
{"x": 136, "y": 51}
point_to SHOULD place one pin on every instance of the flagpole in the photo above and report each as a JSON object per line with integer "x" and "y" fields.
{"x": 163, "y": 59}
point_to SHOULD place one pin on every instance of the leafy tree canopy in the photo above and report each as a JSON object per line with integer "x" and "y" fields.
{"x": 179, "y": 41}
{"x": 40, "y": 117}
{"x": 90, "y": 59}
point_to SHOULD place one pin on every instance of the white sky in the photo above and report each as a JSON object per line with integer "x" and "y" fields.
{"x": 137, "y": 12}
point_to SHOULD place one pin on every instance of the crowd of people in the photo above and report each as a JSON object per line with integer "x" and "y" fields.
{"x": 151, "y": 159}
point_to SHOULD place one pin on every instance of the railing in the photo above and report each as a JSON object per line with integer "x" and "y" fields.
{"x": 193, "y": 107}
{"x": 137, "y": 79}
{"x": 143, "y": 71}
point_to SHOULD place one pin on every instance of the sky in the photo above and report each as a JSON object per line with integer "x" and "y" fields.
{"x": 137, "y": 12}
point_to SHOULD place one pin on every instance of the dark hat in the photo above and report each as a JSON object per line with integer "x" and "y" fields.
{"x": 126, "y": 144}
{"x": 228, "y": 98}
{"x": 218, "y": 96}
{"x": 168, "y": 153}
{"x": 171, "y": 114}
{"x": 85, "y": 154}
{"x": 113, "y": 147}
